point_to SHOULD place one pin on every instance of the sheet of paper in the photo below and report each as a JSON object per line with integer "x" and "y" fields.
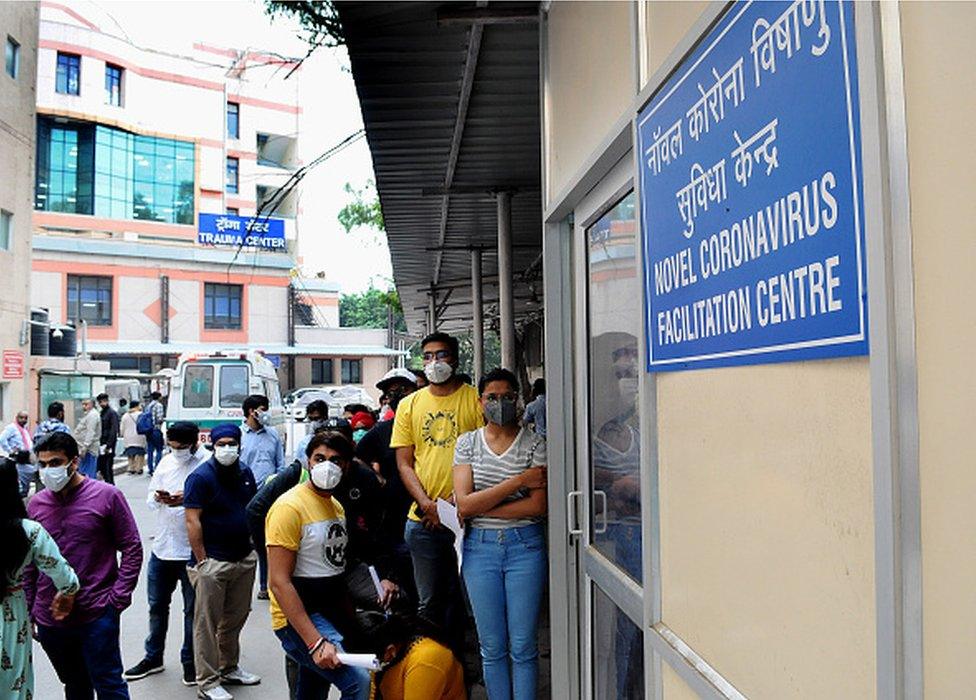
{"x": 447, "y": 513}
{"x": 376, "y": 582}
{"x": 367, "y": 661}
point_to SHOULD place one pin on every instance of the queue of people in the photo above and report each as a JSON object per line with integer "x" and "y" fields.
{"x": 346, "y": 542}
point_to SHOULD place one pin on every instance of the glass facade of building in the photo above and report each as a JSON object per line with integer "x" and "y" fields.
{"x": 86, "y": 168}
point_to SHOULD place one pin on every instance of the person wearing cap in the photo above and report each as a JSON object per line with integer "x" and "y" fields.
{"x": 374, "y": 449}
{"x": 170, "y": 551}
{"x": 222, "y": 563}
{"x": 360, "y": 423}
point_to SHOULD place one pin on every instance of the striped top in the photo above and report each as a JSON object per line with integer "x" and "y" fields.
{"x": 489, "y": 469}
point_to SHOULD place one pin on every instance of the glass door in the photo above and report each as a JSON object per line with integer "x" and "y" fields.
{"x": 609, "y": 319}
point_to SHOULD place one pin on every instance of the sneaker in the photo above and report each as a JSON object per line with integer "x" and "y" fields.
{"x": 217, "y": 693}
{"x": 263, "y": 594}
{"x": 142, "y": 669}
{"x": 238, "y": 676}
{"x": 189, "y": 676}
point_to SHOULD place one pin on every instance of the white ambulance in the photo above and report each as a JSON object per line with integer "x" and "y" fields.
{"x": 209, "y": 388}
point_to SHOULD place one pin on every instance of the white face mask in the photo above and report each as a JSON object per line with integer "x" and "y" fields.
{"x": 326, "y": 475}
{"x": 183, "y": 455}
{"x": 438, "y": 372}
{"x": 264, "y": 418}
{"x": 226, "y": 454}
{"x": 55, "y": 478}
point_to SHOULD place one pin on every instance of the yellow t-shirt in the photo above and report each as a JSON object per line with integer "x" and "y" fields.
{"x": 431, "y": 424}
{"x": 428, "y": 671}
{"x": 315, "y": 529}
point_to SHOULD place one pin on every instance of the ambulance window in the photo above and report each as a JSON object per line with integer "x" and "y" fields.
{"x": 198, "y": 386}
{"x": 233, "y": 385}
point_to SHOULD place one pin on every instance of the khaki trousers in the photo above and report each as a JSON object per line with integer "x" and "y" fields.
{"x": 223, "y": 602}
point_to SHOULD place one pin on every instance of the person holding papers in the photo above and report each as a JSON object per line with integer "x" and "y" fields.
{"x": 499, "y": 487}
{"x": 312, "y": 611}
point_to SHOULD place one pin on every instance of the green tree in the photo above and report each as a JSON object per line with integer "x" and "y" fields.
{"x": 370, "y": 309}
{"x": 319, "y": 20}
{"x": 363, "y": 210}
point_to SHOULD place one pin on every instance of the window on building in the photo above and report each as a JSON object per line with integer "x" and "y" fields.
{"x": 85, "y": 168}
{"x": 12, "y": 56}
{"x": 65, "y": 159}
{"x": 233, "y": 120}
{"x": 90, "y": 299}
{"x": 233, "y": 211}
{"x": 113, "y": 85}
{"x": 6, "y": 229}
{"x": 233, "y": 385}
{"x": 233, "y": 166}
{"x": 222, "y": 306}
{"x": 68, "y": 75}
{"x": 322, "y": 370}
{"x": 352, "y": 371}
{"x": 130, "y": 363}
{"x": 162, "y": 177}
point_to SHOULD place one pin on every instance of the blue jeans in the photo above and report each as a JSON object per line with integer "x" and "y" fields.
{"x": 435, "y": 572}
{"x": 162, "y": 579}
{"x": 154, "y": 449}
{"x": 314, "y": 682}
{"x": 88, "y": 465}
{"x": 505, "y": 573}
{"x": 87, "y": 658}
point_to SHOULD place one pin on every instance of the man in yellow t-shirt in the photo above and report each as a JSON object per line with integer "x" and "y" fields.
{"x": 311, "y": 610}
{"x": 427, "y": 424}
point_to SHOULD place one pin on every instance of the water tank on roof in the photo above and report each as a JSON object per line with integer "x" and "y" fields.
{"x": 40, "y": 328}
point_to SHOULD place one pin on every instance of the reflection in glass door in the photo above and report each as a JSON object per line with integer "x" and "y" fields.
{"x": 613, "y": 323}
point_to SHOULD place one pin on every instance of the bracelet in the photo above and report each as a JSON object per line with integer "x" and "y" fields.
{"x": 312, "y": 648}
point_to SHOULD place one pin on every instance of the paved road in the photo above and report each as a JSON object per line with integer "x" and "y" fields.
{"x": 261, "y": 652}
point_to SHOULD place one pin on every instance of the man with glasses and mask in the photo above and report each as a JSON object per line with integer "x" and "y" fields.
{"x": 426, "y": 427}
{"x": 91, "y": 523}
{"x": 374, "y": 449}
{"x": 222, "y": 568}
{"x": 170, "y": 551}
{"x": 264, "y": 454}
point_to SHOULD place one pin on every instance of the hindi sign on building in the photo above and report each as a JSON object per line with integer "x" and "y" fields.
{"x": 242, "y": 231}
{"x": 13, "y": 364}
{"x": 750, "y": 188}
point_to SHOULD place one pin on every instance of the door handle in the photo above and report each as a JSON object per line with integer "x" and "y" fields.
{"x": 597, "y": 529}
{"x": 572, "y": 519}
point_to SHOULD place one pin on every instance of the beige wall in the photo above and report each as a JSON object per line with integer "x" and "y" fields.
{"x": 674, "y": 686}
{"x": 591, "y": 80}
{"x": 17, "y": 99}
{"x": 767, "y": 537}
{"x": 939, "y": 55}
{"x": 665, "y": 24}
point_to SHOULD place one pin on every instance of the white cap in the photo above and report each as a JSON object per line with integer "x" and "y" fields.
{"x": 397, "y": 373}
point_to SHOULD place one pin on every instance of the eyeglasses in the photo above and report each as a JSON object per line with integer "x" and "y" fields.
{"x": 438, "y": 355}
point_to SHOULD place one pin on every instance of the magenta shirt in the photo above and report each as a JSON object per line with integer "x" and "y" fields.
{"x": 90, "y": 525}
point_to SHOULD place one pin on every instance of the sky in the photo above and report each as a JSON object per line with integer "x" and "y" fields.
{"x": 330, "y": 113}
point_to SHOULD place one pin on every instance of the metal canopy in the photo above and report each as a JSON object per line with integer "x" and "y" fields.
{"x": 451, "y": 110}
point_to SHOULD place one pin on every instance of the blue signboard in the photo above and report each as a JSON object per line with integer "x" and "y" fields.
{"x": 242, "y": 231}
{"x": 750, "y": 188}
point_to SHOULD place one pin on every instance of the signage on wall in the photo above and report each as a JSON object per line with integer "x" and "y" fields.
{"x": 13, "y": 364}
{"x": 241, "y": 231}
{"x": 750, "y": 188}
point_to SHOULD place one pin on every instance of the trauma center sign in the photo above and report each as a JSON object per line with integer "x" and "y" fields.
{"x": 242, "y": 231}
{"x": 750, "y": 188}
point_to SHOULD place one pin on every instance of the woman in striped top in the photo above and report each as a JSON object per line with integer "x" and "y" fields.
{"x": 499, "y": 486}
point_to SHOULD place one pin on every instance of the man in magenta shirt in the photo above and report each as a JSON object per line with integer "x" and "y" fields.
{"x": 91, "y": 522}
